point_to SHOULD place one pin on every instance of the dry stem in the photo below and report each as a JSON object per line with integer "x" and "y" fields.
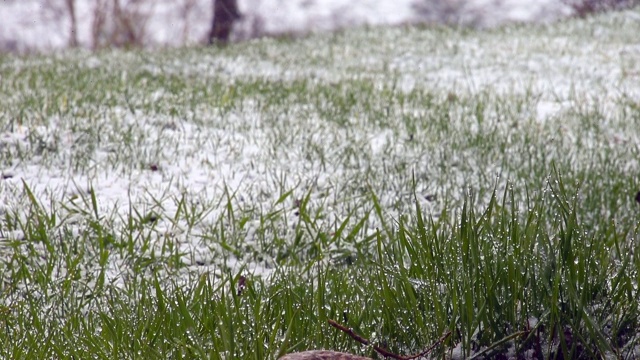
{"x": 382, "y": 351}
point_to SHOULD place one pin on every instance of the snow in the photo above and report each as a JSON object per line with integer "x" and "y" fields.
{"x": 203, "y": 165}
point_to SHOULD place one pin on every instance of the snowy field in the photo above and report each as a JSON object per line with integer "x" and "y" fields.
{"x": 273, "y": 155}
{"x": 159, "y": 148}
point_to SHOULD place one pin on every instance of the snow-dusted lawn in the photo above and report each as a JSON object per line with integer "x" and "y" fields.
{"x": 291, "y": 161}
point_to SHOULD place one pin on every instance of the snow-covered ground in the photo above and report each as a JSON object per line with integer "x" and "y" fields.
{"x": 146, "y": 161}
{"x": 169, "y": 154}
{"x": 41, "y": 25}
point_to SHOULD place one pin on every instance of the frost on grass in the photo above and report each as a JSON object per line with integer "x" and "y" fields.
{"x": 255, "y": 156}
{"x": 201, "y": 170}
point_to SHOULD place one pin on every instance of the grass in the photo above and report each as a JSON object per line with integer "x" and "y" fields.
{"x": 405, "y": 182}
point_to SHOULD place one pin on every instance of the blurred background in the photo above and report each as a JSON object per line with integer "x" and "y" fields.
{"x": 28, "y": 26}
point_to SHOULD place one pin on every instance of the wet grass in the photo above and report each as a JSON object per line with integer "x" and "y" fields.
{"x": 208, "y": 203}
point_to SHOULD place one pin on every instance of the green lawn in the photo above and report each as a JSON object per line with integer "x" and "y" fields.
{"x": 405, "y": 182}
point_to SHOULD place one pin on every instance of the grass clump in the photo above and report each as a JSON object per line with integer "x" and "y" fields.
{"x": 503, "y": 281}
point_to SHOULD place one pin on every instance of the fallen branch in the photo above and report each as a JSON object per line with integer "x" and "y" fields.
{"x": 382, "y": 351}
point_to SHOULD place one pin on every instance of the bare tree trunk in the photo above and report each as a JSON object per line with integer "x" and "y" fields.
{"x": 225, "y": 13}
{"x": 73, "y": 36}
{"x": 186, "y": 9}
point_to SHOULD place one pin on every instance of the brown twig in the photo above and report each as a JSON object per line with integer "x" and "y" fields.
{"x": 429, "y": 349}
{"x": 382, "y": 351}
